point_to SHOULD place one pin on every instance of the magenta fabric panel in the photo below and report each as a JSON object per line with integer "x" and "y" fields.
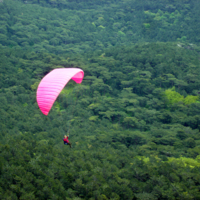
{"x": 53, "y": 83}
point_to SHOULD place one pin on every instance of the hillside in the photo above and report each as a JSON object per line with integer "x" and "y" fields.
{"x": 65, "y": 26}
{"x": 134, "y": 120}
{"x": 129, "y": 138}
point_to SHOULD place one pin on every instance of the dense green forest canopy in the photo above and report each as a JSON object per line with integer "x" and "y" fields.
{"x": 123, "y": 124}
{"x": 78, "y": 26}
{"x": 134, "y": 120}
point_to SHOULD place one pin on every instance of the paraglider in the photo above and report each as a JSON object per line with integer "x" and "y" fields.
{"x": 66, "y": 141}
{"x": 53, "y": 83}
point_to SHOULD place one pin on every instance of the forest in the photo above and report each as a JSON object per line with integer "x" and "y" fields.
{"x": 133, "y": 122}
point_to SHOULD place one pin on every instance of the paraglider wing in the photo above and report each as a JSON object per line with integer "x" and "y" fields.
{"x": 53, "y": 83}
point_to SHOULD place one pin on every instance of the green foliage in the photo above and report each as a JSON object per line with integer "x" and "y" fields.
{"x": 147, "y": 25}
{"x": 133, "y": 135}
{"x": 182, "y": 161}
{"x": 63, "y": 26}
{"x": 174, "y": 97}
{"x": 190, "y": 99}
{"x": 186, "y": 161}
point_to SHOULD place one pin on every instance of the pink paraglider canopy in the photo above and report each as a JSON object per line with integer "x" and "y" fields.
{"x": 53, "y": 83}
